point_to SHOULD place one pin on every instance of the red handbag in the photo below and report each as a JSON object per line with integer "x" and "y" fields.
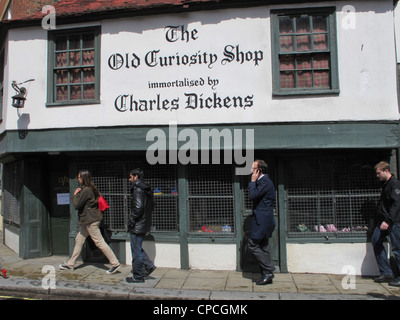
{"x": 103, "y": 205}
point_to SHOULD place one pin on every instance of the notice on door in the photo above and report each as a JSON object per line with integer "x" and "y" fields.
{"x": 62, "y": 199}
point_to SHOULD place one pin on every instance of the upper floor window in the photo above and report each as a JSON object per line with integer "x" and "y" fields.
{"x": 74, "y": 67}
{"x": 304, "y": 51}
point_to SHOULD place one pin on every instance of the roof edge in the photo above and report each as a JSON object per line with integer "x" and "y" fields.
{"x": 152, "y": 9}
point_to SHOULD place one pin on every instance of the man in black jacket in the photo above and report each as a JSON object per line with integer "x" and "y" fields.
{"x": 139, "y": 223}
{"x": 388, "y": 223}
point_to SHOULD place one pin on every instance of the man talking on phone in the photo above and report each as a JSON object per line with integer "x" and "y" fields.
{"x": 262, "y": 194}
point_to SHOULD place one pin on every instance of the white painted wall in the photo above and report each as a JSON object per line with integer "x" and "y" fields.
{"x": 212, "y": 256}
{"x": 366, "y": 55}
{"x": 165, "y": 255}
{"x": 397, "y": 31}
{"x": 201, "y": 256}
{"x": 11, "y": 240}
{"x": 333, "y": 258}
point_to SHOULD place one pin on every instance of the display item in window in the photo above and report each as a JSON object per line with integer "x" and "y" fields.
{"x": 205, "y": 228}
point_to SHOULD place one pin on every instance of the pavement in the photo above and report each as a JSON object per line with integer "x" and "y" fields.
{"x": 42, "y": 276}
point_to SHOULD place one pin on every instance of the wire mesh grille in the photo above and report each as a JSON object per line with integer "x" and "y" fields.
{"x": 163, "y": 180}
{"x": 335, "y": 198}
{"x": 12, "y": 186}
{"x": 210, "y": 200}
{"x": 112, "y": 180}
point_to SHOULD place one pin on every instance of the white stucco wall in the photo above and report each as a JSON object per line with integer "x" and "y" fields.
{"x": 11, "y": 239}
{"x": 333, "y": 258}
{"x": 212, "y": 256}
{"x": 165, "y": 255}
{"x": 201, "y": 256}
{"x": 366, "y": 59}
{"x": 397, "y": 31}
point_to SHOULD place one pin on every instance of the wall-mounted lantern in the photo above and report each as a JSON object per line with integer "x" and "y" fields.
{"x": 18, "y": 101}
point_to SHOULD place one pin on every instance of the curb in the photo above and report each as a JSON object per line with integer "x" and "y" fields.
{"x": 125, "y": 292}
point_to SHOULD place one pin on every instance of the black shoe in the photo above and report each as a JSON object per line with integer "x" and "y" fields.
{"x": 134, "y": 280}
{"x": 395, "y": 283}
{"x": 384, "y": 278}
{"x": 150, "y": 271}
{"x": 113, "y": 270}
{"x": 64, "y": 266}
{"x": 266, "y": 279}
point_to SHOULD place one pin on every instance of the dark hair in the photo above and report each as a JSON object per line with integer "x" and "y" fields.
{"x": 137, "y": 172}
{"x": 262, "y": 165}
{"x": 87, "y": 181}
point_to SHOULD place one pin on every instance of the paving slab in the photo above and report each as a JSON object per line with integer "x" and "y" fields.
{"x": 204, "y": 284}
{"x": 393, "y": 290}
{"x": 172, "y": 283}
{"x": 311, "y": 278}
{"x": 365, "y": 288}
{"x": 101, "y": 277}
{"x": 276, "y": 286}
{"x": 235, "y": 283}
{"x": 279, "y": 277}
{"x": 211, "y": 274}
{"x": 176, "y": 273}
{"x": 317, "y": 288}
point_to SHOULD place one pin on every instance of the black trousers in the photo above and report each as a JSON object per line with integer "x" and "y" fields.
{"x": 259, "y": 248}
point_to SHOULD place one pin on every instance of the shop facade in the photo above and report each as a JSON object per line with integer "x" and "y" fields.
{"x": 192, "y": 98}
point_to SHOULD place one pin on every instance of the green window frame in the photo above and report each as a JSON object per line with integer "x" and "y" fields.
{"x": 74, "y": 67}
{"x": 304, "y": 51}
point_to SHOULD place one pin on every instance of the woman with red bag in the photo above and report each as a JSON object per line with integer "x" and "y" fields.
{"x": 85, "y": 200}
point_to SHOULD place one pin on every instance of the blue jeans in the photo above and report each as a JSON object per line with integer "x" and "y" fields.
{"x": 378, "y": 237}
{"x": 140, "y": 260}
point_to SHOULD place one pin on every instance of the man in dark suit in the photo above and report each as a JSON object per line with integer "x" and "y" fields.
{"x": 262, "y": 193}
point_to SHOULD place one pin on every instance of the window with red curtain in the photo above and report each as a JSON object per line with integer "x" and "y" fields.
{"x": 74, "y": 69}
{"x": 303, "y": 51}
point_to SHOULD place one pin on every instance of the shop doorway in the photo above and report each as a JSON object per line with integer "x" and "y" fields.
{"x": 59, "y": 202}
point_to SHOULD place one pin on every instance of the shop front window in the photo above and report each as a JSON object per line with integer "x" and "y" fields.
{"x": 112, "y": 180}
{"x": 210, "y": 200}
{"x": 330, "y": 198}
